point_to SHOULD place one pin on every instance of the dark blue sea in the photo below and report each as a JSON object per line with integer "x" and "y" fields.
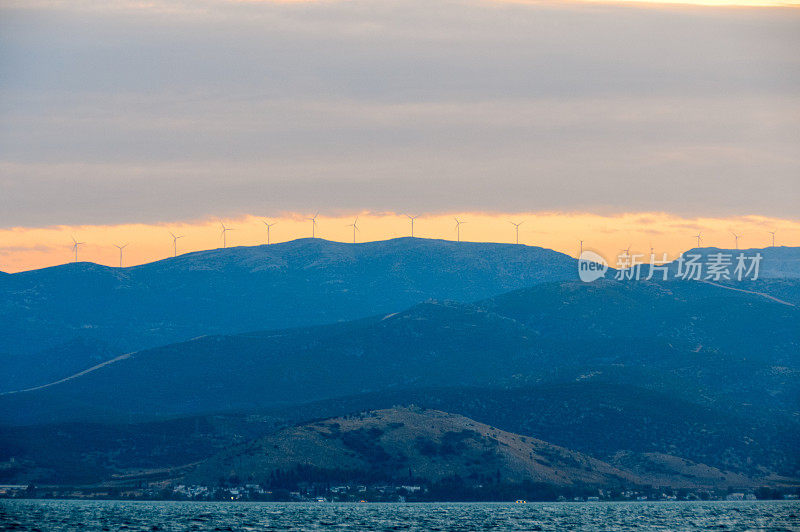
{"x": 61, "y": 515}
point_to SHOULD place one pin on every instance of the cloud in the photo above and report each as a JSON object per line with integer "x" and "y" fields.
{"x": 205, "y": 6}
{"x": 123, "y": 112}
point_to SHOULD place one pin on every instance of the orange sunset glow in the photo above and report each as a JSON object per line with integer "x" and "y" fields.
{"x": 29, "y": 248}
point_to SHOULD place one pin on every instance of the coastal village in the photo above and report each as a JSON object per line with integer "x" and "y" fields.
{"x": 360, "y": 493}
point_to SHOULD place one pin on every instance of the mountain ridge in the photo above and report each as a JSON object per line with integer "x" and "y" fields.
{"x": 110, "y": 311}
{"x": 685, "y": 337}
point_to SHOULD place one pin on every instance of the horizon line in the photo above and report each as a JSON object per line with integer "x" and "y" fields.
{"x": 32, "y": 248}
{"x": 369, "y": 242}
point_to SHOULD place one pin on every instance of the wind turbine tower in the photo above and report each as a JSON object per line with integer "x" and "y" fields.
{"x": 516, "y": 226}
{"x": 175, "y": 243}
{"x": 120, "y": 252}
{"x": 773, "y": 237}
{"x": 458, "y": 229}
{"x": 268, "y": 226}
{"x": 581, "y": 253}
{"x": 75, "y": 245}
{"x": 736, "y": 239}
{"x": 354, "y": 225}
{"x": 412, "y": 218}
{"x": 697, "y": 236}
{"x": 313, "y": 224}
{"x": 225, "y": 234}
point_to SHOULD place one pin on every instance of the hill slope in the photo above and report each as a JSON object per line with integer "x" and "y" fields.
{"x": 606, "y": 421}
{"x": 61, "y": 320}
{"x": 408, "y": 443}
{"x": 696, "y": 341}
{"x": 111, "y": 311}
{"x": 780, "y": 262}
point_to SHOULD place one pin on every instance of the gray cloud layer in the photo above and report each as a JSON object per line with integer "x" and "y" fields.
{"x": 113, "y": 114}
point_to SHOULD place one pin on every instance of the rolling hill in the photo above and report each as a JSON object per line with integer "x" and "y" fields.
{"x": 699, "y": 342}
{"x": 659, "y": 379}
{"x": 422, "y": 446}
{"x": 80, "y": 314}
{"x": 62, "y": 320}
{"x": 606, "y": 421}
{"x": 407, "y": 443}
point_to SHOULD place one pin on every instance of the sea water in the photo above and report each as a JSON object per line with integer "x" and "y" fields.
{"x": 63, "y": 515}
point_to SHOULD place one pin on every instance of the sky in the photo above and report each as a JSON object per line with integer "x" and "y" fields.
{"x": 604, "y": 121}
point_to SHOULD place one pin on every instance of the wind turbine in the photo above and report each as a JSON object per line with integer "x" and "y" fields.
{"x": 516, "y": 226}
{"x": 412, "y": 218}
{"x": 773, "y": 236}
{"x": 224, "y": 234}
{"x": 736, "y": 238}
{"x": 458, "y": 229}
{"x": 697, "y": 236}
{"x": 75, "y": 245}
{"x": 175, "y": 243}
{"x": 354, "y": 225}
{"x": 581, "y": 249}
{"x": 313, "y": 224}
{"x": 120, "y": 252}
{"x": 268, "y": 226}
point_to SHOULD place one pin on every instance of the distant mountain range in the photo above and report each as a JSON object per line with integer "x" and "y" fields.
{"x": 780, "y": 262}
{"x": 694, "y": 340}
{"x": 57, "y": 321}
{"x": 682, "y": 377}
{"x": 62, "y": 320}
